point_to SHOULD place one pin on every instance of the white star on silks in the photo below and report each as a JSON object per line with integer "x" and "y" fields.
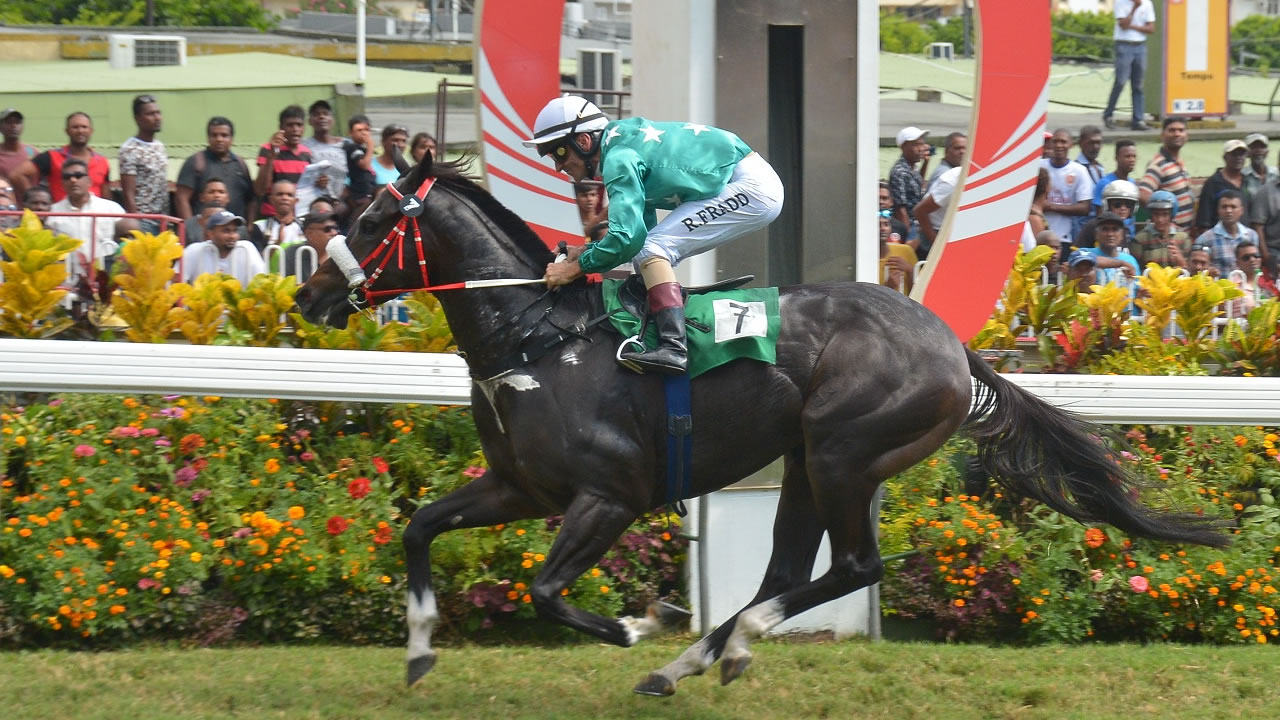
{"x": 613, "y": 133}
{"x": 695, "y": 127}
{"x": 674, "y": 199}
{"x": 652, "y": 133}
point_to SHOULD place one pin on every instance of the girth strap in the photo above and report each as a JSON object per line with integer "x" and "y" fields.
{"x": 679, "y": 441}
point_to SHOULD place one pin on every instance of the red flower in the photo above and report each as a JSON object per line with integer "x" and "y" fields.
{"x": 383, "y": 535}
{"x": 381, "y": 465}
{"x": 359, "y": 487}
{"x": 190, "y": 443}
{"x": 336, "y": 525}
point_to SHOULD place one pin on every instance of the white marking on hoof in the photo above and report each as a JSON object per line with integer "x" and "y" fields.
{"x": 422, "y": 616}
{"x": 640, "y": 627}
{"x": 750, "y": 625}
{"x": 693, "y": 661}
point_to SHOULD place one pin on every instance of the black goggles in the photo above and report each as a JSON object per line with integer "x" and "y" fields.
{"x": 558, "y": 150}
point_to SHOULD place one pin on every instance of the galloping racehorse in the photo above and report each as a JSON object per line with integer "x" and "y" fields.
{"x": 867, "y": 383}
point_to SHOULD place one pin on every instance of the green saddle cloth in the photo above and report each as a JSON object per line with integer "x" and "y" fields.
{"x": 722, "y": 326}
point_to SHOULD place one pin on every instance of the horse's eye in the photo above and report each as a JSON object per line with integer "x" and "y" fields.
{"x": 368, "y": 225}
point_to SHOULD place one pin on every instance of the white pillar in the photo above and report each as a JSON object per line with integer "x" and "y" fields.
{"x": 866, "y": 249}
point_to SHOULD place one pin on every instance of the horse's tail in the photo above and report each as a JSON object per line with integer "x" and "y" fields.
{"x": 1039, "y": 451}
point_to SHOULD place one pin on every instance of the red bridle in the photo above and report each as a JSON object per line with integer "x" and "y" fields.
{"x": 394, "y": 243}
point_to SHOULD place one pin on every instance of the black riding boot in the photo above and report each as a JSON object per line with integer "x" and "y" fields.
{"x": 671, "y": 357}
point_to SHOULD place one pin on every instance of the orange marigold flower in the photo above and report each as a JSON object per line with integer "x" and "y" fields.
{"x": 1094, "y": 537}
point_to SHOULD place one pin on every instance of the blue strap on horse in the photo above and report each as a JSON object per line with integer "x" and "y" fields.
{"x": 679, "y": 441}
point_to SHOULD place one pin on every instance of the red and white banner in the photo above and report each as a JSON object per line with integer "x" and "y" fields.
{"x": 517, "y": 70}
{"x": 969, "y": 263}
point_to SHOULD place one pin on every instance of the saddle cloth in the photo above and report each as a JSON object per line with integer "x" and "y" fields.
{"x": 721, "y": 326}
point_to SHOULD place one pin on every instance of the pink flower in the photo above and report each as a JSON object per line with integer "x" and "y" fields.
{"x": 163, "y": 442}
{"x": 474, "y": 471}
{"x": 307, "y": 456}
{"x": 242, "y": 533}
{"x": 1138, "y": 583}
{"x": 84, "y": 451}
{"x": 185, "y": 476}
{"x": 148, "y": 432}
{"x": 147, "y": 583}
{"x": 55, "y": 402}
{"x": 1096, "y": 576}
{"x": 125, "y": 431}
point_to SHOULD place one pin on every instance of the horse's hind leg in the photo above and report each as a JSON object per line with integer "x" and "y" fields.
{"x": 483, "y": 501}
{"x": 843, "y": 501}
{"x": 797, "y": 535}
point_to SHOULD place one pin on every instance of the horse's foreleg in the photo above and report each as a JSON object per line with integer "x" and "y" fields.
{"x": 591, "y": 526}
{"x": 483, "y": 501}
{"x": 797, "y": 534}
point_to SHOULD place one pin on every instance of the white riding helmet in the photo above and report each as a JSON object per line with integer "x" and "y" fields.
{"x": 1120, "y": 190}
{"x": 565, "y": 116}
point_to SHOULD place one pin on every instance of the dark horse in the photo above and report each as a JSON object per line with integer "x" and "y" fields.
{"x": 867, "y": 383}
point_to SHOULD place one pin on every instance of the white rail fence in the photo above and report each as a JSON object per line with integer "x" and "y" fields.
{"x": 732, "y": 541}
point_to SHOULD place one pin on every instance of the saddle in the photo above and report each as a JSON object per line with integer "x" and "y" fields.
{"x": 634, "y": 298}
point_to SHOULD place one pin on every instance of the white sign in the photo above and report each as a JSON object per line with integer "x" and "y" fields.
{"x": 735, "y": 319}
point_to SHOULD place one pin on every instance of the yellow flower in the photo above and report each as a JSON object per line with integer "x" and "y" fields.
{"x": 604, "y": 589}
{"x": 385, "y": 579}
{"x": 117, "y": 609}
{"x": 196, "y": 557}
{"x": 526, "y": 564}
{"x": 272, "y": 465}
{"x": 6, "y": 571}
{"x": 297, "y": 512}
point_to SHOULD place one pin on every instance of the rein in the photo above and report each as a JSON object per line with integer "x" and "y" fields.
{"x": 411, "y": 206}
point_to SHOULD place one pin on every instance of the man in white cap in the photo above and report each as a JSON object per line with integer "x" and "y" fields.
{"x": 223, "y": 251}
{"x": 1228, "y": 177}
{"x": 906, "y": 183}
{"x": 1256, "y": 172}
{"x": 716, "y": 188}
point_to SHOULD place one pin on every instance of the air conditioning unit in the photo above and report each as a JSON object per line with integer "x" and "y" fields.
{"x": 599, "y": 70}
{"x": 126, "y": 51}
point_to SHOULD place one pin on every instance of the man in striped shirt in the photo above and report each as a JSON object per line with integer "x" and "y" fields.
{"x": 283, "y": 157}
{"x": 1166, "y": 172}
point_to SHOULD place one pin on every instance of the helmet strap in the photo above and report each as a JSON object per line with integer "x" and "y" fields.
{"x": 590, "y": 155}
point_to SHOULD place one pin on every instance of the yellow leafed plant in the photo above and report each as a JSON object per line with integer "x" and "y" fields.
{"x": 428, "y": 330}
{"x": 257, "y": 312}
{"x": 143, "y": 299}
{"x": 29, "y": 295}
{"x": 203, "y": 306}
{"x": 1020, "y": 290}
{"x": 1198, "y": 310}
{"x": 1166, "y": 289}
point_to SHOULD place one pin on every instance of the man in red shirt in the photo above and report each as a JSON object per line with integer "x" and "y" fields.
{"x": 13, "y": 152}
{"x": 283, "y": 157}
{"x": 47, "y": 165}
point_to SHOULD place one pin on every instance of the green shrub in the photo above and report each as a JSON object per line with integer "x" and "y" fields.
{"x": 212, "y": 519}
{"x": 990, "y": 569}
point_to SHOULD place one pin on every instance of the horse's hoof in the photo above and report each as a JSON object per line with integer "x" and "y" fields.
{"x": 671, "y": 616}
{"x": 731, "y": 668}
{"x": 656, "y": 685}
{"x": 418, "y": 667}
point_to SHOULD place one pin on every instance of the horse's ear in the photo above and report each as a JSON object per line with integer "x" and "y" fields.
{"x": 420, "y": 172}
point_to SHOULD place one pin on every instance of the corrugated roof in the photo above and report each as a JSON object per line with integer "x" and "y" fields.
{"x": 237, "y": 70}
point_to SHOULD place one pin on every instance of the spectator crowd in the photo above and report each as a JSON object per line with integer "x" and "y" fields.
{"x": 1107, "y": 217}
{"x": 272, "y": 213}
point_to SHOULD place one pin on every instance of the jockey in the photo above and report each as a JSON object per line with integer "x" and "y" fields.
{"x": 716, "y": 188}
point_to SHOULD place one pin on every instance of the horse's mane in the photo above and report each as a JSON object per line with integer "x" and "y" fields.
{"x": 457, "y": 174}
